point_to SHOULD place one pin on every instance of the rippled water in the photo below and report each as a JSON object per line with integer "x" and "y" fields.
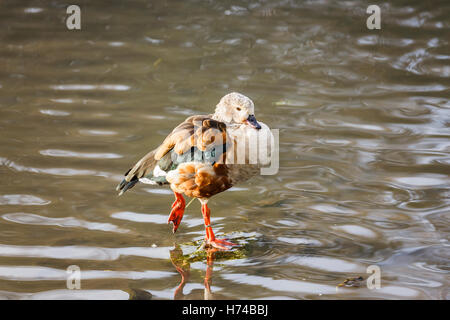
{"x": 364, "y": 132}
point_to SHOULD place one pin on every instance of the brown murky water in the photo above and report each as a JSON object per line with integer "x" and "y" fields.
{"x": 364, "y": 133}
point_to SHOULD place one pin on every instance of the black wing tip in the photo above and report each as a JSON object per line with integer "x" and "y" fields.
{"x": 121, "y": 185}
{"x": 124, "y": 185}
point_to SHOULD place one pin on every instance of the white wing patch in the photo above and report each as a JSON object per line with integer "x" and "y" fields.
{"x": 158, "y": 172}
{"x": 147, "y": 181}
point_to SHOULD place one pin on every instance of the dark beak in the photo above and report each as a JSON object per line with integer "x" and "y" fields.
{"x": 251, "y": 120}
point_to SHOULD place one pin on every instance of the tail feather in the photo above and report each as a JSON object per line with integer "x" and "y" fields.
{"x": 140, "y": 169}
{"x": 125, "y": 185}
{"x": 121, "y": 185}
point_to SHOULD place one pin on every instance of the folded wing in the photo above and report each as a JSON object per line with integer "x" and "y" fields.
{"x": 198, "y": 139}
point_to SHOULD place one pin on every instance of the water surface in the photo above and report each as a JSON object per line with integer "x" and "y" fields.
{"x": 364, "y": 148}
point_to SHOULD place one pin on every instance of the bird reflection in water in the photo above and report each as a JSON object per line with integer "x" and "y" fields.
{"x": 183, "y": 265}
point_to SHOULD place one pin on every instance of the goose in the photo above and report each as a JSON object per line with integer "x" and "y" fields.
{"x": 206, "y": 155}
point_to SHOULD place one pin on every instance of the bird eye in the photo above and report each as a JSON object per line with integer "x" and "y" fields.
{"x": 238, "y": 109}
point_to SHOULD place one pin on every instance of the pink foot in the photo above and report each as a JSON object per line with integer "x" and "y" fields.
{"x": 220, "y": 244}
{"x": 177, "y": 212}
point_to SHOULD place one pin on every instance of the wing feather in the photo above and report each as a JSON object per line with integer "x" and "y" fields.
{"x": 201, "y": 132}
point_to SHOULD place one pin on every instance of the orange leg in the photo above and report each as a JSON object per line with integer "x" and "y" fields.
{"x": 211, "y": 239}
{"x": 177, "y": 211}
